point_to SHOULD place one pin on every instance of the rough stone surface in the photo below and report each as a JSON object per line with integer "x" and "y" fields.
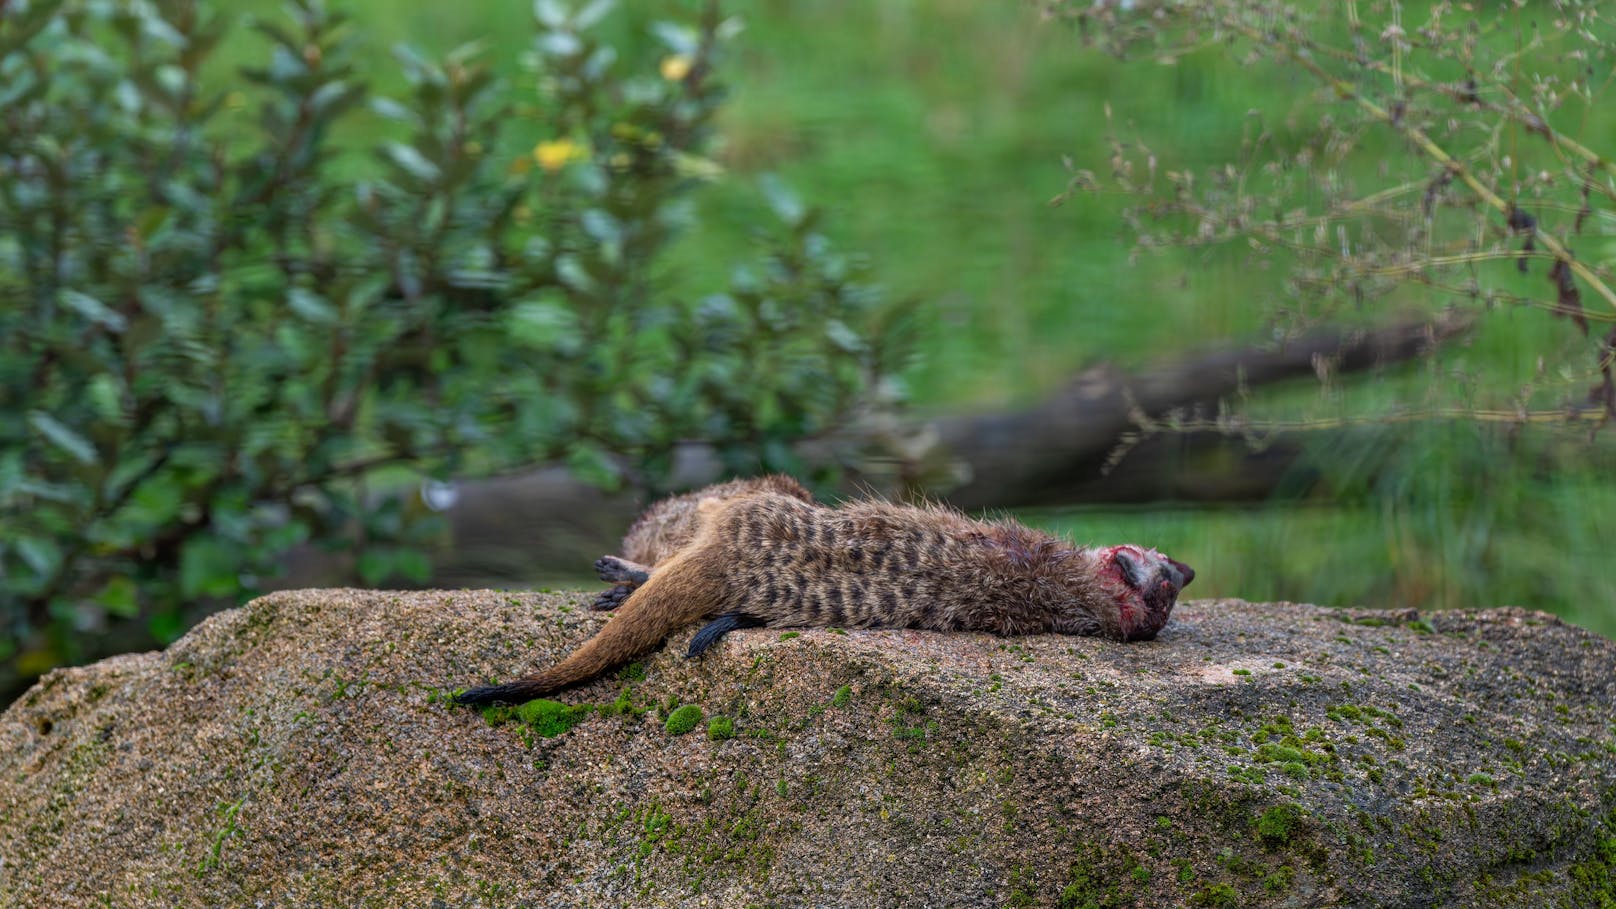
{"x": 299, "y": 751}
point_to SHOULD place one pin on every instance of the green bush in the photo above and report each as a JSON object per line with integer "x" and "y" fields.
{"x": 240, "y": 313}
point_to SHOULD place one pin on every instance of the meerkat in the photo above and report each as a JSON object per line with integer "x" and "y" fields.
{"x": 763, "y": 552}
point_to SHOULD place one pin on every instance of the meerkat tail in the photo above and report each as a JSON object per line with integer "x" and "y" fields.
{"x": 674, "y": 597}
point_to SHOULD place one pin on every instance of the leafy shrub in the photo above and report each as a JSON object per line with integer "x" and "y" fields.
{"x": 235, "y": 314}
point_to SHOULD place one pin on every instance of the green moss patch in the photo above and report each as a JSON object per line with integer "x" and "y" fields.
{"x": 683, "y": 720}
{"x": 1278, "y": 824}
{"x": 545, "y": 717}
{"x": 1594, "y": 880}
{"x": 1217, "y": 895}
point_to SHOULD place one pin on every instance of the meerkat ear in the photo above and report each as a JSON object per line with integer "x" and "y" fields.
{"x": 1132, "y": 572}
{"x": 717, "y": 628}
{"x": 1184, "y": 571}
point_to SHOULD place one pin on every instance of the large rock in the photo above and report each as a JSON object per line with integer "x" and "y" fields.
{"x": 299, "y": 751}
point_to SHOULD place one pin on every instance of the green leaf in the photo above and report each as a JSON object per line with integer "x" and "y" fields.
{"x": 392, "y": 110}
{"x": 375, "y": 565}
{"x": 573, "y": 274}
{"x": 105, "y": 394}
{"x": 681, "y": 39}
{"x": 39, "y": 553}
{"x": 51, "y": 492}
{"x": 63, "y": 437}
{"x": 559, "y": 44}
{"x": 413, "y": 565}
{"x": 311, "y": 306}
{"x": 550, "y": 13}
{"x": 592, "y": 464}
{"x": 591, "y": 15}
{"x": 335, "y": 97}
{"x": 150, "y": 222}
{"x": 119, "y": 597}
{"x": 843, "y": 337}
{"x": 208, "y": 568}
{"x": 786, "y": 204}
{"x": 601, "y": 226}
{"x": 545, "y": 324}
{"x": 378, "y": 564}
{"x": 412, "y": 162}
{"x": 166, "y": 626}
{"x": 93, "y": 309}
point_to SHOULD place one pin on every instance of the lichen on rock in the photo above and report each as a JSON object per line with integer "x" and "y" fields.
{"x": 303, "y": 750}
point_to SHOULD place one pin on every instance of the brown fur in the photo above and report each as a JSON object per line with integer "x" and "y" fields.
{"x": 669, "y": 525}
{"x": 763, "y": 552}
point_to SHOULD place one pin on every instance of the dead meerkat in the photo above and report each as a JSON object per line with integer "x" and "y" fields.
{"x": 763, "y": 552}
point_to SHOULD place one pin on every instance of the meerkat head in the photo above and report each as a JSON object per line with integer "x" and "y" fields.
{"x": 1140, "y": 586}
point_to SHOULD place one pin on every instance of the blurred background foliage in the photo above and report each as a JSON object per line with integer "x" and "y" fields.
{"x": 258, "y": 264}
{"x": 239, "y": 290}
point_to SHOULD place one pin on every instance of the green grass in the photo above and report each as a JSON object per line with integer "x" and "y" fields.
{"x": 1444, "y": 516}
{"x": 934, "y": 135}
{"x": 1385, "y": 555}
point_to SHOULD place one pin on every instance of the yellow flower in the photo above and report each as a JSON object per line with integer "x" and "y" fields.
{"x": 552, "y": 156}
{"x": 675, "y": 67}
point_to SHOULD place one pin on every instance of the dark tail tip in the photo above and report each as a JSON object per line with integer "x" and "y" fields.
{"x": 514, "y": 693}
{"x": 717, "y": 628}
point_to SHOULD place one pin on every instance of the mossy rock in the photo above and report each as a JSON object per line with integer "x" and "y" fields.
{"x": 1254, "y": 755}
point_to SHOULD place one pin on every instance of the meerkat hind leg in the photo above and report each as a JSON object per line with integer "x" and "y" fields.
{"x": 715, "y": 630}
